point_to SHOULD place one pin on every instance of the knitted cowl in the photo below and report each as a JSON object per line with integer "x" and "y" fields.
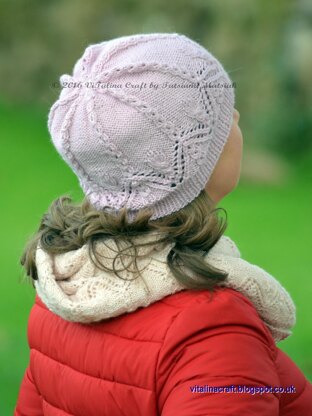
{"x": 74, "y": 288}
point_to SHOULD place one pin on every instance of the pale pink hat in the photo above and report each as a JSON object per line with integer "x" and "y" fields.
{"x": 142, "y": 121}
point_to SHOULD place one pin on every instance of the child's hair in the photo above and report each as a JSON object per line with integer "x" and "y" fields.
{"x": 194, "y": 230}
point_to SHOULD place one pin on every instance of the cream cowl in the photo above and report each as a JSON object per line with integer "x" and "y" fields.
{"x": 72, "y": 287}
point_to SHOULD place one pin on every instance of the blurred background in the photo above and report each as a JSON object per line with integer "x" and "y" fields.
{"x": 266, "y": 48}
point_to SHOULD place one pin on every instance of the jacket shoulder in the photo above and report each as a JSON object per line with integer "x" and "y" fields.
{"x": 217, "y": 339}
{"x": 223, "y": 308}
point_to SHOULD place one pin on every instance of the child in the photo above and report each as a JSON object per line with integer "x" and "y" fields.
{"x": 143, "y": 306}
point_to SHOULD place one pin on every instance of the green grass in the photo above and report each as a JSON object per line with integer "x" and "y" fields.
{"x": 271, "y": 226}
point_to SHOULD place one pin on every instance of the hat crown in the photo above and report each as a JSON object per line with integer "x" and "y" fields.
{"x": 142, "y": 121}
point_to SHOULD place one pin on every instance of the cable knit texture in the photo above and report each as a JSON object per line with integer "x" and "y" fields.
{"x": 143, "y": 121}
{"x": 74, "y": 288}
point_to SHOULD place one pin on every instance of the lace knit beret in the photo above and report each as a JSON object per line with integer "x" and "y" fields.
{"x": 142, "y": 121}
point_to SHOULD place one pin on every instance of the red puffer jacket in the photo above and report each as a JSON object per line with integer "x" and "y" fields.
{"x": 163, "y": 359}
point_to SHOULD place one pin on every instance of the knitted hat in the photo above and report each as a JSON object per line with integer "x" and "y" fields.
{"x": 143, "y": 121}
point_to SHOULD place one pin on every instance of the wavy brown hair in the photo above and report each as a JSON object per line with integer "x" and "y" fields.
{"x": 194, "y": 230}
